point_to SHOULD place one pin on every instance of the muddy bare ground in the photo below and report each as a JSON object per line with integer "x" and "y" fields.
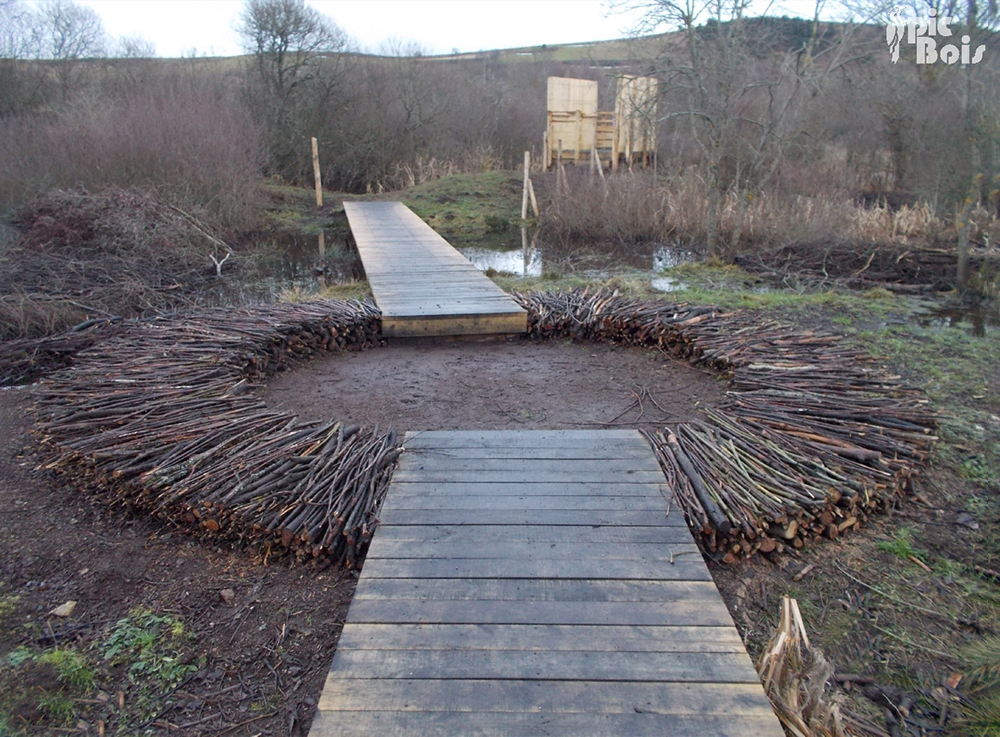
{"x": 498, "y": 385}
{"x": 258, "y": 660}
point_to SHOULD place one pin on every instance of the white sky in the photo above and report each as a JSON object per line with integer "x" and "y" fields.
{"x": 177, "y": 27}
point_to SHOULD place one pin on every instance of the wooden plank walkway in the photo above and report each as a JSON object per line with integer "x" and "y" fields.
{"x": 531, "y": 583}
{"x": 423, "y": 286}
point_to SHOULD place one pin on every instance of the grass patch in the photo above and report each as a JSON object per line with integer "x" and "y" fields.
{"x": 471, "y": 209}
{"x": 150, "y": 645}
{"x": 630, "y": 285}
{"x": 902, "y": 545}
{"x": 8, "y": 605}
{"x": 349, "y": 290}
{"x": 39, "y": 691}
{"x": 71, "y": 668}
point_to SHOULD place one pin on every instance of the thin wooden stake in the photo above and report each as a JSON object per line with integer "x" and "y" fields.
{"x": 531, "y": 196}
{"x": 319, "y": 182}
{"x": 559, "y": 168}
{"x": 579, "y": 137}
{"x": 527, "y": 179}
{"x": 524, "y": 250}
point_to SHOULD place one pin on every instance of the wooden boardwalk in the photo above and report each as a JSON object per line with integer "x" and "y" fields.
{"x": 531, "y": 583}
{"x": 423, "y": 286}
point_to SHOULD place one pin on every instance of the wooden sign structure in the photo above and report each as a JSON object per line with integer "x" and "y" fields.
{"x": 586, "y": 134}
{"x": 635, "y": 114}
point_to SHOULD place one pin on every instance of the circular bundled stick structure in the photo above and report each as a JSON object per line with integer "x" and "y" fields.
{"x": 162, "y": 415}
{"x": 812, "y": 438}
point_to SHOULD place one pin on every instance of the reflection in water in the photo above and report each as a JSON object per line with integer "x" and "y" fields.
{"x": 667, "y": 284}
{"x": 307, "y": 263}
{"x": 287, "y": 261}
{"x": 511, "y": 262}
{"x": 977, "y": 316}
{"x": 667, "y": 257}
{"x": 534, "y": 260}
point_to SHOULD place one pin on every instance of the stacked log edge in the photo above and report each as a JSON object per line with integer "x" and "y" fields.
{"x": 812, "y": 438}
{"x": 161, "y": 415}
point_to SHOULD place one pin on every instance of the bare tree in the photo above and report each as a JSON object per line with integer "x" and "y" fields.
{"x": 738, "y": 85}
{"x": 293, "y": 48}
{"x": 286, "y": 39}
{"x": 942, "y": 120}
{"x": 16, "y": 30}
{"x": 20, "y": 85}
{"x": 68, "y": 33}
{"x": 134, "y": 47}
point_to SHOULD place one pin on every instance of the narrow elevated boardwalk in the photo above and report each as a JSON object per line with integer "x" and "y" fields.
{"x": 531, "y": 583}
{"x": 423, "y": 286}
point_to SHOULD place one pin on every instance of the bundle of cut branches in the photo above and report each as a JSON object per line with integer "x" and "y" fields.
{"x": 812, "y": 438}
{"x": 163, "y": 416}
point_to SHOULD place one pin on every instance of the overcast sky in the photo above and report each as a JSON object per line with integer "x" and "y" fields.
{"x": 177, "y": 27}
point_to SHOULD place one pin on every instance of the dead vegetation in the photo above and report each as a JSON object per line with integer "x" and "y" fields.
{"x": 829, "y": 236}
{"x": 115, "y": 254}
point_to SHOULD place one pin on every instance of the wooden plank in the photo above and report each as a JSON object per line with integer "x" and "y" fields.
{"x": 687, "y": 568}
{"x": 563, "y": 665}
{"x": 527, "y": 502}
{"x": 575, "y": 468}
{"x": 533, "y": 589}
{"x": 586, "y": 452}
{"x": 524, "y": 582}
{"x": 594, "y": 638}
{"x": 408, "y": 723}
{"x": 422, "y": 285}
{"x": 580, "y": 697}
{"x": 529, "y": 550}
{"x": 541, "y": 474}
{"x": 540, "y": 533}
{"x": 473, "y": 489}
{"x": 518, "y": 438}
{"x": 428, "y": 327}
{"x": 587, "y": 518}
{"x": 655, "y": 614}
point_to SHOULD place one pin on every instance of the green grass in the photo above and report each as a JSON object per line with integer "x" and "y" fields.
{"x": 471, "y": 209}
{"x": 71, "y": 667}
{"x": 8, "y": 605}
{"x": 40, "y": 690}
{"x": 150, "y": 645}
{"x": 902, "y": 545}
{"x": 348, "y": 290}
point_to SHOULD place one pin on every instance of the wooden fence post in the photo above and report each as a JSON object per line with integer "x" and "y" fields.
{"x": 319, "y": 182}
{"x": 524, "y": 195}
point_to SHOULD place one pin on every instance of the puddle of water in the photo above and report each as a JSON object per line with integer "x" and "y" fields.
{"x": 978, "y": 317}
{"x": 536, "y": 259}
{"x": 285, "y": 262}
{"x": 667, "y": 284}
{"x": 512, "y": 262}
{"x": 666, "y": 257}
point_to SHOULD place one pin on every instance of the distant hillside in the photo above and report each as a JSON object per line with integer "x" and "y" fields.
{"x": 774, "y": 35}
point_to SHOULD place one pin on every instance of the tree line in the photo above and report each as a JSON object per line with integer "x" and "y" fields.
{"x": 749, "y": 107}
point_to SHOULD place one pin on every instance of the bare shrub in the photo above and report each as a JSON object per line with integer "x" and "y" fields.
{"x": 631, "y": 209}
{"x": 82, "y": 256}
{"x": 827, "y": 233}
{"x": 189, "y": 145}
{"x": 637, "y": 207}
